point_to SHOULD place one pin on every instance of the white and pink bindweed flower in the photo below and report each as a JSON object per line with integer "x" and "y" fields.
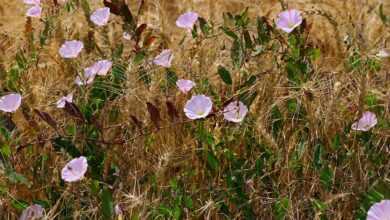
{"x": 366, "y": 122}
{"x": 32, "y": 212}
{"x": 383, "y": 53}
{"x": 71, "y": 49}
{"x": 379, "y": 211}
{"x": 164, "y": 59}
{"x": 63, "y": 100}
{"x": 198, "y": 107}
{"x": 118, "y": 210}
{"x": 10, "y": 102}
{"x": 288, "y": 20}
{"x": 187, "y": 20}
{"x": 126, "y": 36}
{"x": 88, "y": 76}
{"x": 32, "y": 2}
{"x": 185, "y": 85}
{"x": 102, "y": 67}
{"x": 235, "y": 111}
{"x": 34, "y": 12}
{"x": 75, "y": 169}
{"x": 100, "y": 16}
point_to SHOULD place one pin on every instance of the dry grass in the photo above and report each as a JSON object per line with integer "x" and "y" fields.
{"x": 148, "y": 162}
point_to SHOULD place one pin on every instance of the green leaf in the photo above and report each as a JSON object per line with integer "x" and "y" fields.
{"x": 263, "y": 31}
{"x": 5, "y": 150}
{"x": 66, "y": 144}
{"x": 317, "y": 160}
{"x": 336, "y": 142}
{"x": 17, "y": 178}
{"x": 248, "y": 97}
{"x": 171, "y": 78}
{"x": 19, "y": 204}
{"x": 326, "y": 178}
{"x": 314, "y": 53}
{"x": 139, "y": 57}
{"x": 248, "y": 40}
{"x": 86, "y": 9}
{"x": 249, "y": 82}
{"x": 281, "y": 208}
{"x": 229, "y": 33}
{"x": 225, "y": 75}
{"x": 236, "y": 54}
{"x": 382, "y": 16}
{"x": 212, "y": 161}
{"x": 204, "y": 26}
{"x": 107, "y": 203}
{"x": 319, "y": 206}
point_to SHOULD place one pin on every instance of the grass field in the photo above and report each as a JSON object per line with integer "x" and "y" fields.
{"x": 294, "y": 156}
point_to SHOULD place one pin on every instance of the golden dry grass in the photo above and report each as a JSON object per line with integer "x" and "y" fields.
{"x": 336, "y": 102}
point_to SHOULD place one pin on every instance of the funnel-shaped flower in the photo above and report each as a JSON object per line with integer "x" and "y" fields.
{"x": 118, "y": 210}
{"x": 32, "y": 212}
{"x": 100, "y": 16}
{"x": 71, "y": 49}
{"x": 187, "y": 20}
{"x": 185, "y": 85}
{"x": 126, "y": 36}
{"x": 34, "y": 11}
{"x": 63, "y": 100}
{"x": 289, "y": 20}
{"x": 164, "y": 59}
{"x": 102, "y": 67}
{"x": 32, "y": 2}
{"x": 10, "y": 102}
{"x": 198, "y": 107}
{"x": 88, "y": 78}
{"x": 366, "y": 122}
{"x": 383, "y": 53}
{"x": 75, "y": 169}
{"x": 235, "y": 111}
{"x": 379, "y": 211}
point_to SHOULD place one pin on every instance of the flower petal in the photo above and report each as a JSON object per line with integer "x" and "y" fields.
{"x": 75, "y": 169}
{"x": 100, "y": 16}
{"x": 10, "y": 102}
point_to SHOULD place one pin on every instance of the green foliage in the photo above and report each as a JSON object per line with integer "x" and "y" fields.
{"x": 281, "y": 208}
{"x": 217, "y": 169}
{"x": 385, "y": 19}
{"x": 107, "y": 203}
{"x": 225, "y": 75}
{"x": 376, "y": 193}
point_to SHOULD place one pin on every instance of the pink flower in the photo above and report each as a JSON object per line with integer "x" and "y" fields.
{"x": 126, "y": 36}
{"x": 75, "y": 169}
{"x": 32, "y": 2}
{"x": 118, "y": 210}
{"x": 88, "y": 78}
{"x": 102, "y": 67}
{"x": 100, "y": 16}
{"x": 61, "y": 102}
{"x": 164, "y": 59}
{"x": 379, "y": 211}
{"x": 32, "y": 212}
{"x": 10, "y": 102}
{"x": 185, "y": 85}
{"x": 198, "y": 107}
{"x": 366, "y": 122}
{"x": 289, "y": 20}
{"x": 235, "y": 111}
{"x": 383, "y": 53}
{"x": 34, "y": 11}
{"x": 71, "y": 49}
{"x": 187, "y": 20}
